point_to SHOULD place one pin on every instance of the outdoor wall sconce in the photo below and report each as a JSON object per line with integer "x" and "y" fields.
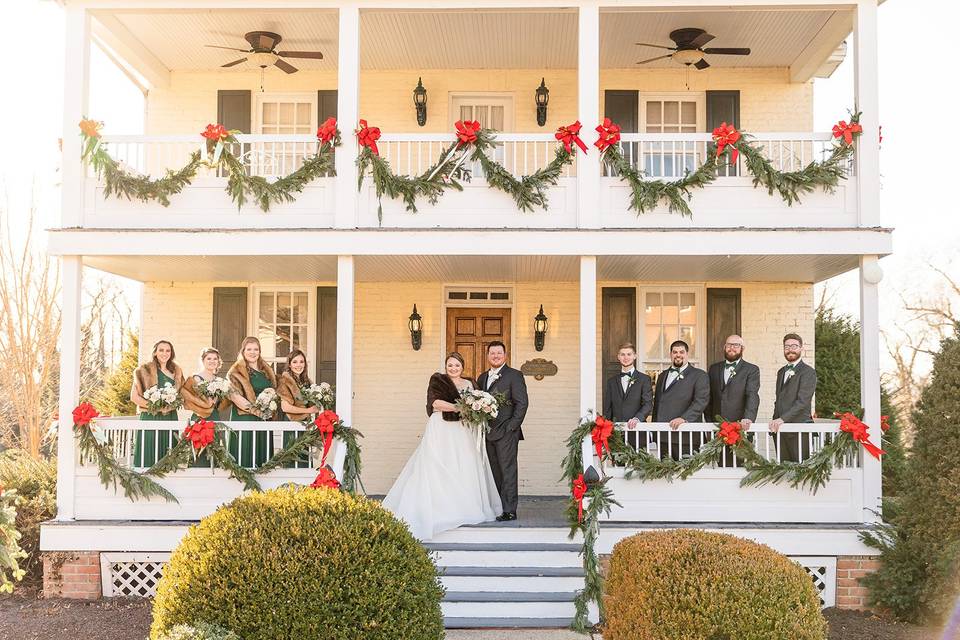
{"x": 415, "y": 324}
{"x": 539, "y": 330}
{"x": 420, "y": 102}
{"x": 542, "y": 98}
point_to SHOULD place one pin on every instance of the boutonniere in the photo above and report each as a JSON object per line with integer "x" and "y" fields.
{"x": 493, "y": 377}
{"x": 733, "y": 372}
{"x": 631, "y": 381}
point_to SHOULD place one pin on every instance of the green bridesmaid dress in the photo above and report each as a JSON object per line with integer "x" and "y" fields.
{"x": 241, "y": 448}
{"x": 150, "y": 446}
{"x": 302, "y": 462}
{"x": 202, "y": 460}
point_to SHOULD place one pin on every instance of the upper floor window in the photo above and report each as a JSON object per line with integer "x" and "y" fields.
{"x": 280, "y": 114}
{"x": 672, "y": 114}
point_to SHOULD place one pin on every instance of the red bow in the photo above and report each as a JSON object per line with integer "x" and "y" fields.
{"x": 328, "y": 130}
{"x": 579, "y": 490}
{"x": 326, "y": 479}
{"x": 855, "y": 427}
{"x": 730, "y": 432}
{"x": 368, "y": 136}
{"x": 601, "y": 435}
{"x": 200, "y": 433}
{"x": 84, "y": 414}
{"x": 466, "y": 132}
{"x": 727, "y": 135}
{"x": 215, "y": 132}
{"x": 609, "y": 134}
{"x": 325, "y": 423}
{"x": 90, "y": 128}
{"x": 570, "y": 135}
{"x": 846, "y": 131}
{"x": 884, "y": 423}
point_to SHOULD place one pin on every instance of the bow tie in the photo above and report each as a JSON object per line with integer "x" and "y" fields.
{"x": 625, "y": 374}
{"x": 673, "y": 369}
{"x": 729, "y": 365}
{"x": 791, "y": 367}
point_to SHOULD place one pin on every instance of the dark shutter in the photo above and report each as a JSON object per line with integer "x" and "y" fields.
{"x": 326, "y": 104}
{"x": 618, "y": 325}
{"x": 623, "y": 107}
{"x": 723, "y": 319}
{"x": 233, "y": 109}
{"x": 229, "y": 321}
{"x": 327, "y": 335}
{"x": 723, "y": 106}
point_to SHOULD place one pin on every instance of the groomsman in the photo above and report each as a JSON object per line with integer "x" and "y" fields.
{"x": 683, "y": 392}
{"x": 628, "y": 396}
{"x": 796, "y": 384}
{"x": 734, "y": 388}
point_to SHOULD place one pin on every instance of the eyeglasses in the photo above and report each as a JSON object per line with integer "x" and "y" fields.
{"x": 733, "y": 344}
{"x": 792, "y": 347}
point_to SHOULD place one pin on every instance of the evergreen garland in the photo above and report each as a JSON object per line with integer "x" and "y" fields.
{"x": 313, "y": 438}
{"x": 790, "y": 185}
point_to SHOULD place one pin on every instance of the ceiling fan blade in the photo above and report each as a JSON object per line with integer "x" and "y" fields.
{"x": 655, "y": 46}
{"x": 234, "y": 63}
{"x": 214, "y": 46}
{"x": 701, "y": 40}
{"x": 315, "y": 55}
{"x": 669, "y": 55}
{"x": 723, "y": 51}
{"x": 286, "y": 67}
{"x": 701, "y": 64}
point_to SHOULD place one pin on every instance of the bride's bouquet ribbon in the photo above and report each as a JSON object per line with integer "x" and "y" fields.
{"x": 858, "y": 430}
{"x": 569, "y": 135}
{"x": 600, "y": 434}
{"x": 325, "y": 423}
{"x": 579, "y": 490}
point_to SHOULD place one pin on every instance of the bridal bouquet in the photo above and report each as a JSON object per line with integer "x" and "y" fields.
{"x": 267, "y": 403}
{"x": 318, "y": 395}
{"x": 478, "y": 407}
{"x": 215, "y": 389}
{"x": 161, "y": 399}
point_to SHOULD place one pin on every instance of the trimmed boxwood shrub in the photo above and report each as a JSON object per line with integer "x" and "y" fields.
{"x": 199, "y": 631}
{"x": 302, "y": 563}
{"x": 695, "y": 585}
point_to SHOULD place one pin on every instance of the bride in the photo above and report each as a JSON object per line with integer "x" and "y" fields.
{"x": 447, "y": 481}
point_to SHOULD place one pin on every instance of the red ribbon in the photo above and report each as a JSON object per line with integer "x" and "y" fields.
{"x": 884, "y": 423}
{"x": 328, "y": 130}
{"x": 609, "y": 135}
{"x": 215, "y": 132}
{"x": 600, "y": 434}
{"x": 569, "y": 135}
{"x": 466, "y": 132}
{"x": 727, "y": 135}
{"x": 368, "y": 136}
{"x": 579, "y": 491}
{"x": 326, "y": 479}
{"x": 730, "y": 432}
{"x": 847, "y": 131}
{"x": 84, "y": 414}
{"x": 326, "y": 422}
{"x": 855, "y": 427}
{"x": 200, "y": 433}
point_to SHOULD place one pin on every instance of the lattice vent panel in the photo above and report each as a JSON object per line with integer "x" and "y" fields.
{"x": 823, "y": 573}
{"x": 131, "y": 575}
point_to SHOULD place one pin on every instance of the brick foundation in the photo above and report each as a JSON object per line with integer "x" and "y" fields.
{"x": 850, "y": 593}
{"x": 73, "y": 574}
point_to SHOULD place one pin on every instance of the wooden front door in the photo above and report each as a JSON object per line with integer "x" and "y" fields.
{"x": 470, "y": 330}
{"x": 723, "y": 319}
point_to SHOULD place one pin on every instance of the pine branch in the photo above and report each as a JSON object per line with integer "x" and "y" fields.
{"x": 645, "y": 195}
{"x": 111, "y": 472}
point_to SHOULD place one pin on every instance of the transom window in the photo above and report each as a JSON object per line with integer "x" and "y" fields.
{"x": 668, "y": 315}
{"x": 283, "y": 321}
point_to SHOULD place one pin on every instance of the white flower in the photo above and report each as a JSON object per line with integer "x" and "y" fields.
{"x": 325, "y": 387}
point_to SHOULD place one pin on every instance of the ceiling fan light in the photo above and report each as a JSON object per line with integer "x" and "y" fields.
{"x": 262, "y": 59}
{"x": 688, "y": 56}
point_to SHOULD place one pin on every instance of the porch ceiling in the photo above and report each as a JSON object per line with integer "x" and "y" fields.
{"x": 410, "y": 268}
{"x": 480, "y": 38}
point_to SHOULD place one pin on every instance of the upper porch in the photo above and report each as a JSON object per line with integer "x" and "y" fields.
{"x": 474, "y": 63}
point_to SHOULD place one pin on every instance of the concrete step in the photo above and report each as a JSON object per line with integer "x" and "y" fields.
{"x": 507, "y": 623}
{"x": 503, "y": 546}
{"x": 513, "y": 571}
{"x": 512, "y": 583}
{"x": 508, "y": 558}
{"x": 502, "y": 609}
{"x": 510, "y": 596}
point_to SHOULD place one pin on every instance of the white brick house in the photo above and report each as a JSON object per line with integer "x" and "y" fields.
{"x": 744, "y": 262}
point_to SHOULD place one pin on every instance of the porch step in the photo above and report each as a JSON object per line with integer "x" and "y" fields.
{"x": 506, "y": 572}
{"x": 506, "y": 546}
{"x": 512, "y": 579}
{"x": 510, "y": 596}
{"x": 507, "y": 623}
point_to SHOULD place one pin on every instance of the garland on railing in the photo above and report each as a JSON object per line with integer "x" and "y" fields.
{"x": 205, "y": 436}
{"x": 810, "y": 474}
{"x": 121, "y": 182}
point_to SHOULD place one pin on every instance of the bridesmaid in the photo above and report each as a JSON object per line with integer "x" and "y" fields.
{"x": 150, "y": 446}
{"x": 249, "y": 376}
{"x": 204, "y": 408}
{"x": 293, "y": 378}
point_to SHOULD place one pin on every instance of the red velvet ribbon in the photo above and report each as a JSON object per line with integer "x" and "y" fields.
{"x": 84, "y": 414}
{"x": 579, "y": 491}
{"x": 884, "y": 423}
{"x": 569, "y": 135}
{"x": 846, "y": 131}
{"x": 466, "y": 132}
{"x": 368, "y": 136}
{"x": 609, "y": 135}
{"x": 727, "y": 135}
{"x": 325, "y": 479}
{"x": 215, "y": 132}
{"x": 328, "y": 130}
{"x": 600, "y": 434}
{"x": 730, "y": 432}
{"x": 200, "y": 433}
{"x": 326, "y": 422}
{"x": 856, "y": 428}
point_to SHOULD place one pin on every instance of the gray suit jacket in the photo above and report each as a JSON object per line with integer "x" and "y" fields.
{"x": 686, "y": 398}
{"x": 637, "y": 402}
{"x": 795, "y": 396}
{"x": 738, "y": 398}
{"x": 509, "y": 418}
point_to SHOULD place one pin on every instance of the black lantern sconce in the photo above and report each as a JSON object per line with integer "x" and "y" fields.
{"x": 542, "y": 97}
{"x": 539, "y": 330}
{"x": 591, "y": 477}
{"x": 420, "y": 102}
{"x": 415, "y": 324}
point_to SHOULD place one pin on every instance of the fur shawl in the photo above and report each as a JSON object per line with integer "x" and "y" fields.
{"x": 199, "y": 404}
{"x": 441, "y": 387}
{"x": 146, "y": 376}
{"x": 289, "y": 389}
{"x": 239, "y": 376}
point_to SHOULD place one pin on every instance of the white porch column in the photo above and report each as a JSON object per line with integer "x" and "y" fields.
{"x": 348, "y": 105}
{"x": 870, "y": 275}
{"x": 588, "y": 334}
{"x": 867, "y": 96}
{"x": 71, "y": 268}
{"x": 345, "y": 305}
{"x": 588, "y": 112}
{"x": 75, "y": 104}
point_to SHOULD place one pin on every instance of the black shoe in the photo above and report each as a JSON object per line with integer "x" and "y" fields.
{"x": 507, "y": 516}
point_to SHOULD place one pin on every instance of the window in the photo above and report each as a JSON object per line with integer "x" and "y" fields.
{"x": 668, "y": 315}
{"x": 672, "y": 114}
{"x": 284, "y": 114}
{"x": 283, "y": 323}
{"x": 478, "y": 296}
{"x": 492, "y": 111}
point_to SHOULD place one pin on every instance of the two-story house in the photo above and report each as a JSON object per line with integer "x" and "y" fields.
{"x": 329, "y": 275}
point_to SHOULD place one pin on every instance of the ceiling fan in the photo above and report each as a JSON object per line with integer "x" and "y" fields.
{"x": 263, "y": 53}
{"x": 689, "y": 49}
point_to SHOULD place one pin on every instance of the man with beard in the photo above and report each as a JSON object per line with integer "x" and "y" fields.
{"x": 796, "y": 384}
{"x": 683, "y": 392}
{"x": 734, "y": 389}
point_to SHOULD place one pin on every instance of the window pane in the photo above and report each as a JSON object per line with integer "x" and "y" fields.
{"x": 652, "y": 310}
{"x": 670, "y": 334}
{"x": 466, "y": 112}
{"x": 268, "y": 349}
{"x": 653, "y": 113}
{"x": 300, "y": 307}
{"x": 303, "y": 112}
{"x": 671, "y": 129}
{"x": 297, "y": 338}
{"x": 688, "y": 112}
{"x": 687, "y": 335}
{"x": 283, "y": 344}
{"x": 688, "y": 309}
{"x": 286, "y": 113}
{"x": 266, "y": 307}
{"x": 283, "y": 307}
{"x": 671, "y": 112}
{"x": 270, "y": 113}
{"x": 651, "y": 341}
{"x": 670, "y": 312}
{"x": 496, "y": 118}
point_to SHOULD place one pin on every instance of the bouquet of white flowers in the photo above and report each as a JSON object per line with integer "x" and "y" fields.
{"x": 318, "y": 395}
{"x": 478, "y": 407}
{"x": 160, "y": 399}
{"x": 216, "y": 389}
{"x": 267, "y": 403}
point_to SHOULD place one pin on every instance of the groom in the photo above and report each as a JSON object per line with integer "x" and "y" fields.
{"x": 505, "y": 433}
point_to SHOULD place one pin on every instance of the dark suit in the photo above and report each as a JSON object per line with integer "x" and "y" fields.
{"x": 686, "y": 398}
{"x": 635, "y": 402}
{"x": 736, "y": 399}
{"x": 795, "y": 404}
{"x": 505, "y": 432}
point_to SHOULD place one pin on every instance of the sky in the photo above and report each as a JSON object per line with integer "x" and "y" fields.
{"x": 915, "y": 76}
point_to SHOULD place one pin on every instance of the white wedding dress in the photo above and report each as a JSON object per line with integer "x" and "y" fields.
{"x": 446, "y": 483}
